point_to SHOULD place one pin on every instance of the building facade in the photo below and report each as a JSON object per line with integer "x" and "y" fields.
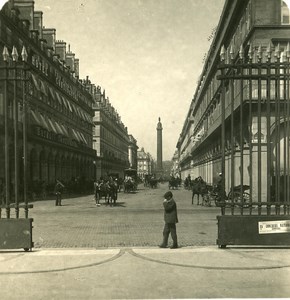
{"x": 132, "y": 152}
{"x": 145, "y": 163}
{"x": 175, "y": 169}
{"x": 110, "y": 140}
{"x": 234, "y": 125}
{"x": 47, "y": 93}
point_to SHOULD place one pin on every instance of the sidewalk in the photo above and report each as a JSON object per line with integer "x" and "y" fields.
{"x": 145, "y": 273}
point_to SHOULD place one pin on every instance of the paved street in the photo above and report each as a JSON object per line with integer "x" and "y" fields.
{"x": 144, "y": 273}
{"x": 86, "y": 252}
{"x": 136, "y": 220}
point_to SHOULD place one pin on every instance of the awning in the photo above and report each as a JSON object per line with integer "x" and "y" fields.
{"x": 78, "y": 111}
{"x": 58, "y": 98}
{"x": 83, "y": 138}
{"x": 89, "y": 119}
{"x": 77, "y": 138}
{"x": 39, "y": 120}
{"x": 35, "y": 81}
{"x": 80, "y": 137}
{"x": 52, "y": 93}
{"x": 52, "y": 125}
{"x": 43, "y": 88}
{"x": 83, "y": 115}
{"x": 64, "y": 130}
{"x": 35, "y": 118}
{"x": 64, "y": 102}
{"x": 59, "y": 129}
{"x": 69, "y": 106}
{"x": 44, "y": 123}
{"x": 74, "y": 108}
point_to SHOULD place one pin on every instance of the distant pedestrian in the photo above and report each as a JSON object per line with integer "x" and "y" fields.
{"x": 58, "y": 192}
{"x": 170, "y": 218}
{"x": 97, "y": 192}
{"x": 219, "y": 189}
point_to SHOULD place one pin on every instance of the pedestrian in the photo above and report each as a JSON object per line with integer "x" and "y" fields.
{"x": 220, "y": 187}
{"x": 97, "y": 192}
{"x": 58, "y": 191}
{"x": 170, "y": 218}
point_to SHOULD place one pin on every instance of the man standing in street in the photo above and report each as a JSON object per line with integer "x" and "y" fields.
{"x": 170, "y": 218}
{"x": 58, "y": 191}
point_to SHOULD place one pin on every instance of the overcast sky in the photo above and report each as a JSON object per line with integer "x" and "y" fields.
{"x": 146, "y": 54}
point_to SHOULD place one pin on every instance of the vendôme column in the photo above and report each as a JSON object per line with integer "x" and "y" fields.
{"x": 159, "y": 168}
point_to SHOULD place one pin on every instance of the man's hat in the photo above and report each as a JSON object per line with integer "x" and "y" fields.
{"x": 168, "y": 195}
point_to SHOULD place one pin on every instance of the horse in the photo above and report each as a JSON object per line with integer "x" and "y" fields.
{"x": 173, "y": 183}
{"x": 198, "y": 188}
{"x": 128, "y": 186}
{"x": 153, "y": 183}
{"x": 112, "y": 192}
{"x": 104, "y": 190}
{"x": 119, "y": 182}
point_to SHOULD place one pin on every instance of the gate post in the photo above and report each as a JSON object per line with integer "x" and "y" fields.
{"x": 14, "y": 232}
{"x": 256, "y": 209}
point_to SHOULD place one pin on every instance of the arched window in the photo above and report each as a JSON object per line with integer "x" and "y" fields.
{"x": 285, "y": 11}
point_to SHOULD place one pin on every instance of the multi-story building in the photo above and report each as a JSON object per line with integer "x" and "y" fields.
{"x": 110, "y": 140}
{"x": 175, "y": 171}
{"x": 167, "y": 168}
{"x": 145, "y": 163}
{"x": 234, "y": 120}
{"x": 132, "y": 152}
{"x": 45, "y": 92}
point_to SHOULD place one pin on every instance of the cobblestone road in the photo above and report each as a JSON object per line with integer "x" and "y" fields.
{"x": 136, "y": 220}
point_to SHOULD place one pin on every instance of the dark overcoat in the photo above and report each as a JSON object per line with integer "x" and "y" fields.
{"x": 170, "y": 211}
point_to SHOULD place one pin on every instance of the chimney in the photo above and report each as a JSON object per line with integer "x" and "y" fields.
{"x": 37, "y": 22}
{"x": 26, "y": 9}
{"x": 70, "y": 59}
{"x": 60, "y": 49}
{"x": 49, "y": 35}
{"x": 76, "y": 67}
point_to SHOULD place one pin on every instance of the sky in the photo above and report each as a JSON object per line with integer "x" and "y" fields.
{"x": 146, "y": 54}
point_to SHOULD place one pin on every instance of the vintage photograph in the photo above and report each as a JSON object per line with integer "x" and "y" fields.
{"x": 144, "y": 149}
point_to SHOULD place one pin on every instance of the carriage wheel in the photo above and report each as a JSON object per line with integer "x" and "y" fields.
{"x": 235, "y": 198}
{"x": 246, "y": 199}
{"x": 240, "y": 199}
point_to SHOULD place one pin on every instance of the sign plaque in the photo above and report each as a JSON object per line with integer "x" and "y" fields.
{"x": 281, "y": 226}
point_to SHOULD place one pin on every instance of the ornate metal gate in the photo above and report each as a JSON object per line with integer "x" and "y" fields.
{"x": 15, "y": 231}
{"x": 255, "y": 128}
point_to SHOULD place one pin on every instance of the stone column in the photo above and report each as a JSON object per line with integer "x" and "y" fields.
{"x": 159, "y": 168}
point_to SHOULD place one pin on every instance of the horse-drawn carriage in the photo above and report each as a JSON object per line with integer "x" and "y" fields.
{"x": 130, "y": 180}
{"x": 238, "y": 196}
{"x": 150, "y": 181}
{"x": 173, "y": 183}
{"x": 153, "y": 182}
{"x": 106, "y": 189}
